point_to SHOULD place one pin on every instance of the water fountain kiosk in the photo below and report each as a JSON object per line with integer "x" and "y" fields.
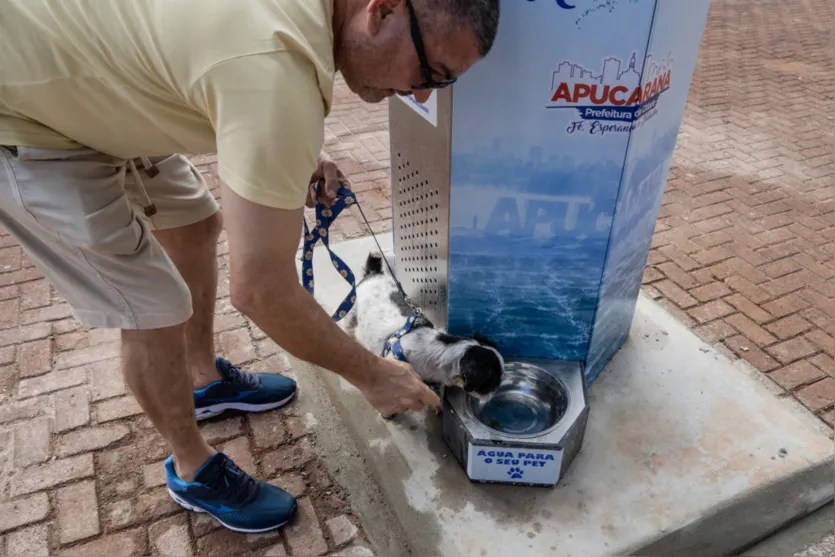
{"x": 524, "y": 200}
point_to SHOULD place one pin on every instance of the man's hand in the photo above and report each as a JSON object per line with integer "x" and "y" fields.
{"x": 333, "y": 178}
{"x": 396, "y": 388}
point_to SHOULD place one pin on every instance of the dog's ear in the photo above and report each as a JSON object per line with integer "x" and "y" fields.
{"x": 484, "y": 341}
{"x": 481, "y": 370}
{"x": 373, "y": 264}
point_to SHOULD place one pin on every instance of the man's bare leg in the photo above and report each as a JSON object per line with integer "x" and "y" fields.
{"x": 193, "y": 249}
{"x": 154, "y": 366}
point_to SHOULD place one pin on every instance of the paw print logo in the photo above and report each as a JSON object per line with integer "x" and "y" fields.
{"x": 515, "y": 473}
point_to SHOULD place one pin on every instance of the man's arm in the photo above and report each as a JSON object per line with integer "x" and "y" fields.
{"x": 264, "y": 285}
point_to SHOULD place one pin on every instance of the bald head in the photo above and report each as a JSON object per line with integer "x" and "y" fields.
{"x": 481, "y": 17}
{"x": 387, "y": 47}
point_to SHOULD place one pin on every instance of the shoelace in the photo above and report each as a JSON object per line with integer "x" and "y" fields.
{"x": 237, "y": 376}
{"x": 232, "y": 484}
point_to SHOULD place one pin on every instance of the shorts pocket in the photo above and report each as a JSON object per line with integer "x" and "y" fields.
{"x": 114, "y": 229}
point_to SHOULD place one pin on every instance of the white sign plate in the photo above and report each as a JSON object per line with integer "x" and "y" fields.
{"x": 428, "y": 111}
{"x": 512, "y": 465}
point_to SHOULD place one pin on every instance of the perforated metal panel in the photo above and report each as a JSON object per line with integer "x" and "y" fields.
{"x": 420, "y": 171}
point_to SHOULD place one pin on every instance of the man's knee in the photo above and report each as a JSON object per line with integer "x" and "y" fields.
{"x": 204, "y": 233}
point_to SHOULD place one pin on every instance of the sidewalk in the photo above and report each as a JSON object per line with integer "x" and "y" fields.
{"x": 743, "y": 253}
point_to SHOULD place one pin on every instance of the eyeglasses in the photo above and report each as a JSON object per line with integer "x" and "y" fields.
{"x": 430, "y": 83}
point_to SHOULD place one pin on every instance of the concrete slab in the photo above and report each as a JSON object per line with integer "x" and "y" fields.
{"x": 686, "y": 452}
{"x": 812, "y": 536}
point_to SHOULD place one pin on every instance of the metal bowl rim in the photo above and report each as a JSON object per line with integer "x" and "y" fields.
{"x": 562, "y": 385}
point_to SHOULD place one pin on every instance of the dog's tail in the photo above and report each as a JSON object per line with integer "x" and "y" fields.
{"x": 374, "y": 264}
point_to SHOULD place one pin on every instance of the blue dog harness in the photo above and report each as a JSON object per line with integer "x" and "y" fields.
{"x": 416, "y": 319}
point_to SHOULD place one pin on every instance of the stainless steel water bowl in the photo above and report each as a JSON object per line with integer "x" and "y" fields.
{"x": 529, "y": 402}
{"x": 528, "y": 431}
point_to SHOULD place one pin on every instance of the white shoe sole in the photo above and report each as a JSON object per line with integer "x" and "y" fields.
{"x": 217, "y": 409}
{"x": 192, "y": 508}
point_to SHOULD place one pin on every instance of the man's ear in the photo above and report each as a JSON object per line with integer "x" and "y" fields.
{"x": 379, "y": 10}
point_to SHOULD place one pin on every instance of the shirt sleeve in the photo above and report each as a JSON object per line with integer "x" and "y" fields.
{"x": 268, "y": 114}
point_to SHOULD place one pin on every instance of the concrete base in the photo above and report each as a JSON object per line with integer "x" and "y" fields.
{"x": 686, "y": 452}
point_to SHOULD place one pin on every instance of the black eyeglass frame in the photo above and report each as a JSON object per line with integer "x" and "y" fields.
{"x": 417, "y": 39}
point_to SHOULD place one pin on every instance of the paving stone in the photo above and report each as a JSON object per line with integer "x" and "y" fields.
{"x": 819, "y": 395}
{"x": 13, "y": 411}
{"x": 747, "y": 350}
{"x": 796, "y": 374}
{"x": 154, "y": 474}
{"x": 224, "y": 542}
{"x": 106, "y": 379}
{"x": 791, "y": 350}
{"x": 117, "y": 408}
{"x": 238, "y": 450}
{"x": 789, "y": 326}
{"x": 30, "y": 541}
{"x": 291, "y": 482}
{"x": 90, "y": 439}
{"x": 51, "y": 382}
{"x": 276, "y": 550}
{"x": 52, "y": 473}
{"x": 710, "y": 311}
{"x": 123, "y": 544}
{"x": 202, "y": 524}
{"x": 89, "y": 355}
{"x": 72, "y": 409}
{"x": 170, "y": 537}
{"x": 221, "y": 429}
{"x": 357, "y": 549}
{"x": 267, "y": 429}
{"x": 300, "y": 426}
{"x": 341, "y": 529}
{"x": 303, "y": 533}
{"x": 751, "y": 330}
{"x": 35, "y": 294}
{"x": 237, "y": 346}
{"x": 31, "y": 441}
{"x": 715, "y": 331}
{"x": 8, "y": 355}
{"x": 23, "y": 511}
{"x": 34, "y": 358}
{"x": 288, "y": 457}
{"x": 48, "y": 313}
{"x": 78, "y": 513}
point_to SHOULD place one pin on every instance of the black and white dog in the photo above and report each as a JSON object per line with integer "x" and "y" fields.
{"x": 472, "y": 363}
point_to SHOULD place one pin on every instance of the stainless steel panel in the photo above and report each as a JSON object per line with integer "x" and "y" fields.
{"x": 420, "y": 184}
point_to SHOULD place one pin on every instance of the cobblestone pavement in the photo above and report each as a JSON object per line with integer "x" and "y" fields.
{"x": 743, "y": 253}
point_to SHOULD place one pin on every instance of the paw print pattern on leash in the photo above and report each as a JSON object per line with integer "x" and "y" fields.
{"x": 515, "y": 473}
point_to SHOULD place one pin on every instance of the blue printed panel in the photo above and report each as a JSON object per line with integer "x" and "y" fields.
{"x": 671, "y": 59}
{"x": 540, "y": 132}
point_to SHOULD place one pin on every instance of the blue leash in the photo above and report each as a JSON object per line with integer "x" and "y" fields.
{"x": 324, "y": 218}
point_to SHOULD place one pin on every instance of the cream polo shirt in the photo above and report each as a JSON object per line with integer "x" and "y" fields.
{"x": 250, "y": 80}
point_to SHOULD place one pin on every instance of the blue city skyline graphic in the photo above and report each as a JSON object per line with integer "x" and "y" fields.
{"x": 550, "y": 216}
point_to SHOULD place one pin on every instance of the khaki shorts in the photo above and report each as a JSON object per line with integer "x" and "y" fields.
{"x": 78, "y": 215}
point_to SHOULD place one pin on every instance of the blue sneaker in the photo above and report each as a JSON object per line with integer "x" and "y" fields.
{"x": 231, "y": 496}
{"x": 241, "y": 390}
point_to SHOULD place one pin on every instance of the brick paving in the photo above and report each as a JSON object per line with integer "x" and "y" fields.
{"x": 743, "y": 253}
{"x": 81, "y": 467}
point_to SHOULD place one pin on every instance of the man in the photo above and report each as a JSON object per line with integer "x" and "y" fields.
{"x": 96, "y": 94}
